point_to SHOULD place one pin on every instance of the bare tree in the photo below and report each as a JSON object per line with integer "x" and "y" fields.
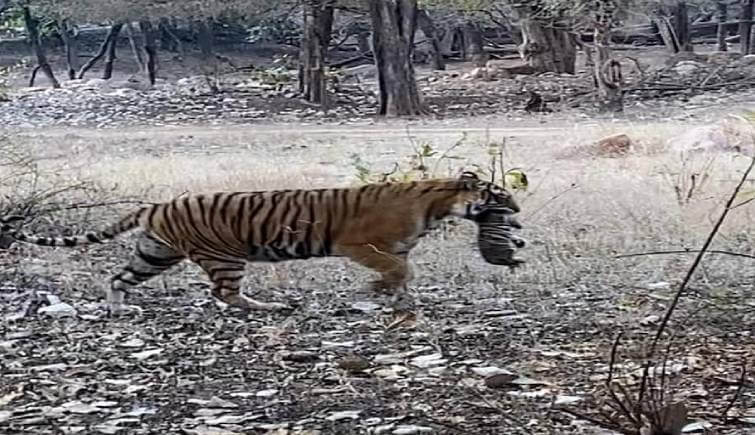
{"x": 150, "y": 48}
{"x": 681, "y": 27}
{"x": 745, "y": 26}
{"x": 473, "y": 45}
{"x": 393, "y": 27}
{"x": 69, "y": 44}
{"x": 722, "y": 15}
{"x": 318, "y": 25}
{"x": 32, "y": 31}
{"x": 136, "y": 48}
{"x": 547, "y": 43}
{"x": 427, "y": 26}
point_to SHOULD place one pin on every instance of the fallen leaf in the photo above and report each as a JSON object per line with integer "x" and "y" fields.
{"x": 141, "y": 356}
{"x": 342, "y": 415}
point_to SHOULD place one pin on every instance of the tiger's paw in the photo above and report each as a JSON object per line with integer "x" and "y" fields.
{"x": 402, "y": 302}
{"x": 381, "y": 287}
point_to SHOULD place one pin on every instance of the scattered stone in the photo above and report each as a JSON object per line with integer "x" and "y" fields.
{"x": 500, "y": 380}
{"x": 687, "y": 67}
{"x": 354, "y": 363}
{"x": 343, "y": 415}
{"x": 300, "y": 356}
{"x": 58, "y": 310}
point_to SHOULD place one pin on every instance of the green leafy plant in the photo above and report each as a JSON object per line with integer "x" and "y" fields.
{"x": 279, "y": 74}
{"x": 425, "y": 161}
{"x": 512, "y": 178}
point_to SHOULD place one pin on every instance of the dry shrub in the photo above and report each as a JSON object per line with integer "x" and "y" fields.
{"x": 40, "y": 194}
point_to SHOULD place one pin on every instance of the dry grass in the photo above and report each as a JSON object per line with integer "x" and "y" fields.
{"x": 579, "y": 212}
{"x": 603, "y": 204}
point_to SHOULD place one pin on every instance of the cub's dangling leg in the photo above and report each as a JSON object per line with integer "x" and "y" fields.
{"x": 151, "y": 257}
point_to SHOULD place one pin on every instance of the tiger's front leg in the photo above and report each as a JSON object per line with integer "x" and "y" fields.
{"x": 393, "y": 268}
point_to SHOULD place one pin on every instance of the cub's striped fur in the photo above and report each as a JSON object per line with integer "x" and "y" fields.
{"x": 495, "y": 238}
{"x": 375, "y": 225}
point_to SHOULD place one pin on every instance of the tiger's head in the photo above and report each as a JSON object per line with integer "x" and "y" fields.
{"x": 479, "y": 195}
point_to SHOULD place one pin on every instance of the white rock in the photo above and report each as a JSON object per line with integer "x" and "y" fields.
{"x": 58, "y": 310}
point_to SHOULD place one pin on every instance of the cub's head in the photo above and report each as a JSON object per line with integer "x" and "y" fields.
{"x": 479, "y": 195}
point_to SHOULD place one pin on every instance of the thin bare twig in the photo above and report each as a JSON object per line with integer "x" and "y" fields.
{"x": 552, "y": 199}
{"x": 685, "y": 251}
{"x": 745, "y": 202}
{"x": 612, "y": 361}
{"x": 740, "y": 387}
{"x": 506, "y": 415}
{"x": 596, "y": 422}
{"x": 698, "y": 259}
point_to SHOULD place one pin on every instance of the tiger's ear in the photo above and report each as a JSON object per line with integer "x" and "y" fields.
{"x": 469, "y": 179}
{"x": 469, "y": 175}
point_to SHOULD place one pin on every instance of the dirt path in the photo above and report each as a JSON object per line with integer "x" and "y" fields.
{"x": 393, "y": 128}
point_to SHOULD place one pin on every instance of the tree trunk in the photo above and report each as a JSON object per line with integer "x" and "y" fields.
{"x": 69, "y": 43}
{"x": 112, "y": 44}
{"x": 32, "y": 30}
{"x": 111, "y": 37}
{"x": 667, "y": 34}
{"x": 473, "y": 49}
{"x": 448, "y": 40}
{"x": 427, "y": 26}
{"x": 169, "y": 39}
{"x": 681, "y": 26}
{"x": 363, "y": 40}
{"x": 607, "y": 74}
{"x": 209, "y": 65}
{"x": 318, "y": 25}
{"x": 393, "y": 26}
{"x": 135, "y": 47}
{"x": 547, "y": 48}
{"x": 745, "y": 27}
{"x": 722, "y": 14}
{"x": 150, "y": 47}
{"x": 167, "y": 42}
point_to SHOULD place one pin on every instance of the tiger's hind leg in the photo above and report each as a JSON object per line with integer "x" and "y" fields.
{"x": 226, "y": 276}
{"x": 151, "y": 257}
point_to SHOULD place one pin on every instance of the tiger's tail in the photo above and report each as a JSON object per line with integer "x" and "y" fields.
{"x": 127, "y": 223}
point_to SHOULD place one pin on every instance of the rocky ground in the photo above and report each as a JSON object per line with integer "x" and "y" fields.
{"x": 490, "y": 353}
{"x": 686, "y": 87}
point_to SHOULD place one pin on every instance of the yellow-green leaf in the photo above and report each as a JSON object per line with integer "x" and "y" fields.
{"x": 515, "y": 179}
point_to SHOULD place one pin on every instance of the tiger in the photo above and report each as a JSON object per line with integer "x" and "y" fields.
{"x": 374, "y": 225}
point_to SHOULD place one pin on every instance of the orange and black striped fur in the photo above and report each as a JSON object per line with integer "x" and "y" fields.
{"x": 375, "y": 225}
